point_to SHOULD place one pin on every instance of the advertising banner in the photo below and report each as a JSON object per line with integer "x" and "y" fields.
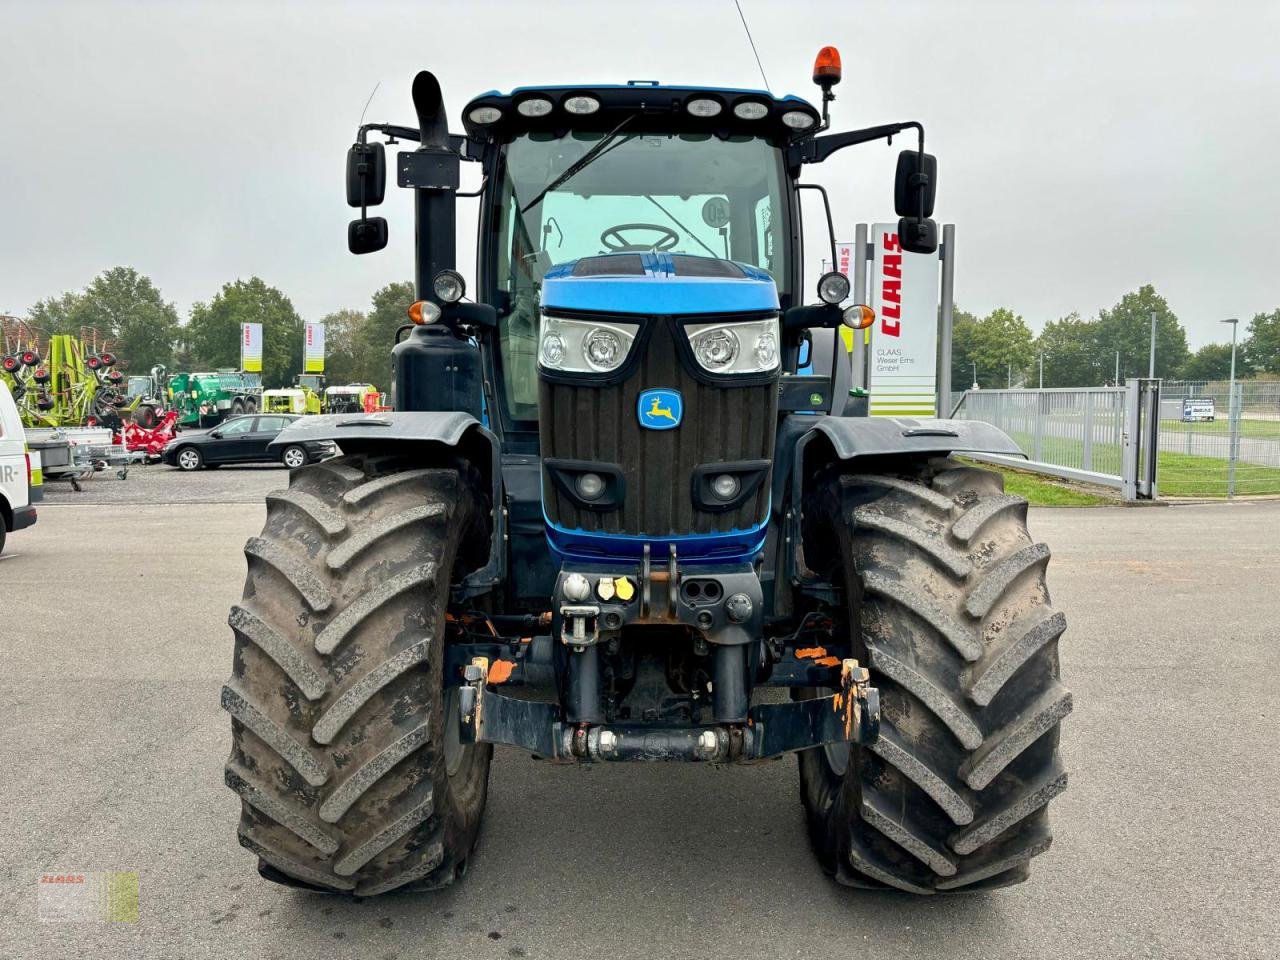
{"x": 904, "y": 348}
{"x": 251, "y": 347}
{"x": 313, "y": 349}
{"x": 844, "y": 264}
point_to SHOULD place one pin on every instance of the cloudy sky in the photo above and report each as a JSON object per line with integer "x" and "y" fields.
{"x": 1084, "y": 148}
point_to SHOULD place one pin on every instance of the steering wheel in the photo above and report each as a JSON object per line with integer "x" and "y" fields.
{"x": 614, "y": 242}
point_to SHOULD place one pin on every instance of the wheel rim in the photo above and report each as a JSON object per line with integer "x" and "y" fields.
{"x": 293, "y": 457}
{"x": 837, "y": 755}
{"x": 188, "y": 459}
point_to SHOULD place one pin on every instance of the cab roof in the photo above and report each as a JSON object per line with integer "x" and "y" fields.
{"x": 650, "y": 104}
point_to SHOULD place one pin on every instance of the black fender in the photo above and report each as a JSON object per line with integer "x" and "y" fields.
{"x": 415, "y": 433}
{"x": 814, "y": 443}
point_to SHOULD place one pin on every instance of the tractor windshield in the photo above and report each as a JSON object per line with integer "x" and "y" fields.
{"x": 678, "y": 193}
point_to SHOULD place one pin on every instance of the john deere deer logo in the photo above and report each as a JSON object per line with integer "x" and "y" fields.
{"x": 660, "y": 409}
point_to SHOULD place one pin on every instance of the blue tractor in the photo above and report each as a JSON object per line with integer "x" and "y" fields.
{"x": 626, "y": 507}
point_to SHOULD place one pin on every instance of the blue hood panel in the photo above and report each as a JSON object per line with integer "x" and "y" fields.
{"x": 659, "y": 286}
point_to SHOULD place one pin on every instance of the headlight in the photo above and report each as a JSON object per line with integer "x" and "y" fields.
{"x": 485, "y": 115}
{"x": 833, "y": 287}
{"x": 449, "y": 286}
{"x": 747, "y": 347}
{"x": 584, "y": 346}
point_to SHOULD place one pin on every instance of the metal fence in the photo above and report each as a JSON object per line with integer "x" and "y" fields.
{"x": 1214, "y": 444}
{"x": 1100, "y": 435}
{"x": 1200, "y": 440}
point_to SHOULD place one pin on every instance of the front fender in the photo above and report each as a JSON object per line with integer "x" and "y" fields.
{"x": 844, "y": 439}
{"x": 421, "y": 436}
{"x": 852, "y": 437}
{"x": 355, "y": 432}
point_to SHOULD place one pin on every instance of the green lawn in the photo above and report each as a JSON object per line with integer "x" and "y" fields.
{"x": 1047, "y": 491}
{"x": 1184, "y": 475}
{"x": 1257, "y": 429}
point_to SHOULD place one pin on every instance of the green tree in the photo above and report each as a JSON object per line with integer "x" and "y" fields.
{"x": 1126, "y": 327}
{"x": 125, "y": 307}
{"x": 342, "y": 330}
{"x": 1072, "y": 357}
{"x": 54, "y": 314}
{"x": 213, "y": 331}
{"x": 1210, "y": 362}
{"x": 997, "y": 343}
{"x": 1262, "y": 342}
{"x": 375, "y": 338}
{"x": 962, "y": 325}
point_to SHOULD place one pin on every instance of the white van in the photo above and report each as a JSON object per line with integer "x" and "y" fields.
{"x": 20, "y": 486}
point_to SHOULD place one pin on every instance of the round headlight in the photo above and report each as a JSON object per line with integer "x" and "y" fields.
{"x": 485, "y": 115}
{"x": 703, "y": 107}
{"x": 766, "y": 351}
{"x": 726, "y": 486}
{"x": 716, "y": 348}
{"x": 552, "y": 350}
{"x": 602, "y": 349}
{"x": 582, "y": 105}
{"x": 833, "y": 287}
{"x": 750, "y": 110}
{"x": 449, "y": 286}
{"x": 798, "y": 119}
{"x": 590, "y": 486}
{"x": 534, "y": 107}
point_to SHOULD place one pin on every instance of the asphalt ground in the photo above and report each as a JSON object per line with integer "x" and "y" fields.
{"x": 113, "y": 647}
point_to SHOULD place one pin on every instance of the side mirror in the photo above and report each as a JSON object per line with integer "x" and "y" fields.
{"x": 915, "y": 180}
{"x": 917, "y": 235}
{"x": 366, "y": 174}
{"x": 367, "y": 235}
{"x": 216, "y": 434}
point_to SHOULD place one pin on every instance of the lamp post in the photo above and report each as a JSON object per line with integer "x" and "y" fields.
{"x": 975, "y": 375}
{"x": 1116, "y": 381}
{"x": 1233, "y": 425}
{"x": 1151, "y": 369}
{"x": 1041, "y": 369}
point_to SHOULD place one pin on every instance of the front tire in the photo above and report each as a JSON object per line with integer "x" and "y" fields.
{"x": 341, "y": 747}
{"x": 948, "y": 606}
{"x": 189, "y": 458}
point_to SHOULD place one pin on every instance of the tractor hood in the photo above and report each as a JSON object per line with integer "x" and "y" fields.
{"x": 658, "y": 283}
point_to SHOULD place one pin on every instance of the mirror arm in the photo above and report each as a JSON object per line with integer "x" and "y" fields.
{"x": 457, "y": 143}
{"x": 390, "y": 129}
{"x": 818, "y": 149}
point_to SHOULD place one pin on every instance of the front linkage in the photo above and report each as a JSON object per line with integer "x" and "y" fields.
{"x": 851, "y": 715}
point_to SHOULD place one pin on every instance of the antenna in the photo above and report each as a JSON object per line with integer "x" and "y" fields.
{"x": 752, "y": 42}
{"x": 366, "y": 104}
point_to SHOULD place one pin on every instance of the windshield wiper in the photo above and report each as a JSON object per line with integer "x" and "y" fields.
{"x": 581, "y": 163}
{"x": 691, "y": 234}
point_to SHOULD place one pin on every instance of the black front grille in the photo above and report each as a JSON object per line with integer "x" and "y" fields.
{"x": 597, "y": 422}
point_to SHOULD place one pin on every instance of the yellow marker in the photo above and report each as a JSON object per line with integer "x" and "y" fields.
{"x": 604, "y": 589}
{"x": 624, "y": 588}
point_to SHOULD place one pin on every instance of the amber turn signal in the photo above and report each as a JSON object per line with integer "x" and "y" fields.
{"x": 858, "y": 317}
{"x": 424, "y": 311}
